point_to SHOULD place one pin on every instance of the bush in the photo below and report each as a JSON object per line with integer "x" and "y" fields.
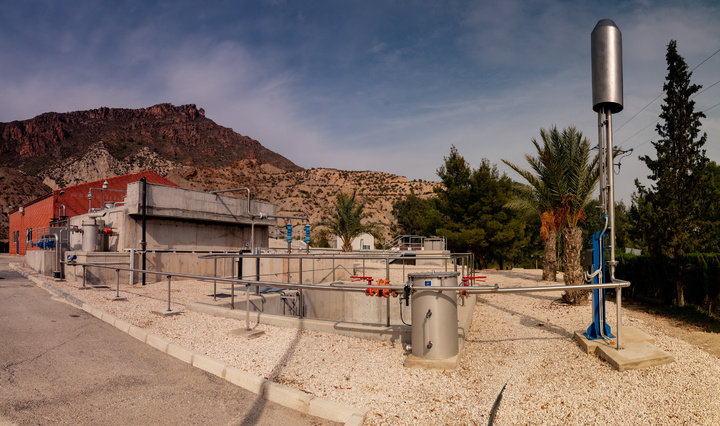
{"x": 651, "y": 277}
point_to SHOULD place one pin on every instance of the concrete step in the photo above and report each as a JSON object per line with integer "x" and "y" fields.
{"x": 638, "y": 350}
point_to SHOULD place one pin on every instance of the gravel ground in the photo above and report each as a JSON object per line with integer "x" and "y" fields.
{"x": 523, "y": 341}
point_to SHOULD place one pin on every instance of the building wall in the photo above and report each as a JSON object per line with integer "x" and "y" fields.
{"x": 361, "y": 242}
{"x": 70, "y": 202}
{"x": 35, "y": 215}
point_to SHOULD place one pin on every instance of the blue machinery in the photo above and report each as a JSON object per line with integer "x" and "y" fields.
{"x": 607, "y": 98}
{"x": 599, "y": 328}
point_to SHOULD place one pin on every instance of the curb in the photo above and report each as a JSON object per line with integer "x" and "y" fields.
{"x": 279, "y": 394}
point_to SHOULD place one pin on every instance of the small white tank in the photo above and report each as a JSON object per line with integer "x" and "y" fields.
{"x": 434, "y": 315}
{"x": 90, "y": 236}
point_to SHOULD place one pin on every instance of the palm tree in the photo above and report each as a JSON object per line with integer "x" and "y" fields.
{"x": 559, "y": 191}
{"x": 539, "y": 198}
{"x": 346, "y": 219}
{"x": 575, "y": 190}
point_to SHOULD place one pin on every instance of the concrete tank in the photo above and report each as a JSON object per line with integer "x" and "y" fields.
{"x": 90, "y": 236}
{"x": 434, "y": 315}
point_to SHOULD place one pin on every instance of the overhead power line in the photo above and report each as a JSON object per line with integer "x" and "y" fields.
{"x": 661, "y": 93}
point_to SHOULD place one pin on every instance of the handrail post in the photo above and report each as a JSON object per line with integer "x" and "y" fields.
{"x": 618, "y": 302}
{"x": 301, "y": 290}
{"x": 215, "y": 281}
{"x": 387, "y": 299}
{"x": 247, "y": 307}
{"x": 169, "y": 277}
{"x": 83, "y": 275}
{"x": 117, "y": 284}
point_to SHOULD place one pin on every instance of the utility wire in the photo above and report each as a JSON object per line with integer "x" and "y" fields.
{"x": 661, "y": 93}
{"x": 708, "y": 58}
{"x": 650, "y": 140}
{"x": 705, "y": 89}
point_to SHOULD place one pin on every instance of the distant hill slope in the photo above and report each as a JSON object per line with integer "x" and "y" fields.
{"x": 180, "y": 134}
{"x": 55, "y": 150}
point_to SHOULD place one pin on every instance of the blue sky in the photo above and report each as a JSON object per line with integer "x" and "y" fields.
{"x": 364, "y": 85}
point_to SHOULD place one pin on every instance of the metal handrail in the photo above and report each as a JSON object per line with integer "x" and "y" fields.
{"x": 340, "y": 286}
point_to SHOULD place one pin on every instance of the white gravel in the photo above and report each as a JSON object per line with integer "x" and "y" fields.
{"x": 522, "y": 340}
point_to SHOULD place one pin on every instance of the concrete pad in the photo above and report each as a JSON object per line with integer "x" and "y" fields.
{"x": 248, "y": 334}
{"x": 116, "y": 298}
{"x": 166, "y": 313}
{"x": 629, "y": 335}
{"x": 211, "y": 365}
{"x": 218, "y": 303}
{"x": 635, "y": 356}
{"x": 412, "y": 361}
{"x": 638, "y": 350}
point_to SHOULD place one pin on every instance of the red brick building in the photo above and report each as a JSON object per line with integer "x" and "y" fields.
{"x": 57, "y": 206}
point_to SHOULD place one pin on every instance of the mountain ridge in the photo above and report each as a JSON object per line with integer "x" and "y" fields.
{"x": 54, "y": 150}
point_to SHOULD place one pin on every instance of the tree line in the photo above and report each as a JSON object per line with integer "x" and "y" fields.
{"x": 507, "y": 223}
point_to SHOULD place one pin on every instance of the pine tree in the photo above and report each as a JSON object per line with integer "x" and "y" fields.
{"x": 671, "y": 205}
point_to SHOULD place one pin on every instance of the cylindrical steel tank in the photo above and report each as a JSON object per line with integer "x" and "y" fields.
{"x": 90, "y": 236}
{"x": 434, "y": 315}
{"x": 607, "y": 72}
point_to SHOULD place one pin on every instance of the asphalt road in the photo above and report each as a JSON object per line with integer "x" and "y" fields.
{"x": 61, "y": 365}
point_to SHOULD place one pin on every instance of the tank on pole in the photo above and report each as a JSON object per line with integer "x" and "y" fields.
{"x": 607, "y": 98}
{"x": 607, "y": 69}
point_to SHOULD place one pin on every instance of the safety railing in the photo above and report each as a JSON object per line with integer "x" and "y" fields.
{"x": 618, "y": 285}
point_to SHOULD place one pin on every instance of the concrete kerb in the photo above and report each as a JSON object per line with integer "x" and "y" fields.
{"x": 271, "y": 391}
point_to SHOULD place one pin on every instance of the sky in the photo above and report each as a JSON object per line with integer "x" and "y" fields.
{"x": 364, "y": 85}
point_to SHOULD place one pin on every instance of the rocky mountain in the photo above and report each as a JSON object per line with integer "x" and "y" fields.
{"x": 309, "y": 192}
{"x": 55, "y": 150}
{"x": 16, "y": 188}
{"x": 181, "y": 134}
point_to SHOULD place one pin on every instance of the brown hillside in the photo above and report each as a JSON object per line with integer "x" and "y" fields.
{"x": 181, "y": 144}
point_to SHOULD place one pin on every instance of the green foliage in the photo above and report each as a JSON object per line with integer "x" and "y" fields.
{"x": 346, "y": 218}
{"x": 469, "y": 212}
{"x": 668, "y": 214}
{"x": 594, "y": 223}
{"x": 710, "y": 209}
{"x": 417, "y": 216}
{"x": 651, "y": 277}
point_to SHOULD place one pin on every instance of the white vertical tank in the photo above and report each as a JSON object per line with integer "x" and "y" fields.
{"x": 434, "y": 315}
{"x": 90, "y": 235}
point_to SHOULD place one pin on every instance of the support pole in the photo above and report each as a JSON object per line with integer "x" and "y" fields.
{"x": 143, "y": 241}
{"x": 611, "y": 192}
{"x": 169, "y": 278}
{"x": 618, "y": 302}
{"x": 215, "y": 281}
{"x": 247, "y": 307}
{"x": 301, "y": 290}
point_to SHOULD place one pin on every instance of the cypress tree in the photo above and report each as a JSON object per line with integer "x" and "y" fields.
{"x": 671, "y": 206}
